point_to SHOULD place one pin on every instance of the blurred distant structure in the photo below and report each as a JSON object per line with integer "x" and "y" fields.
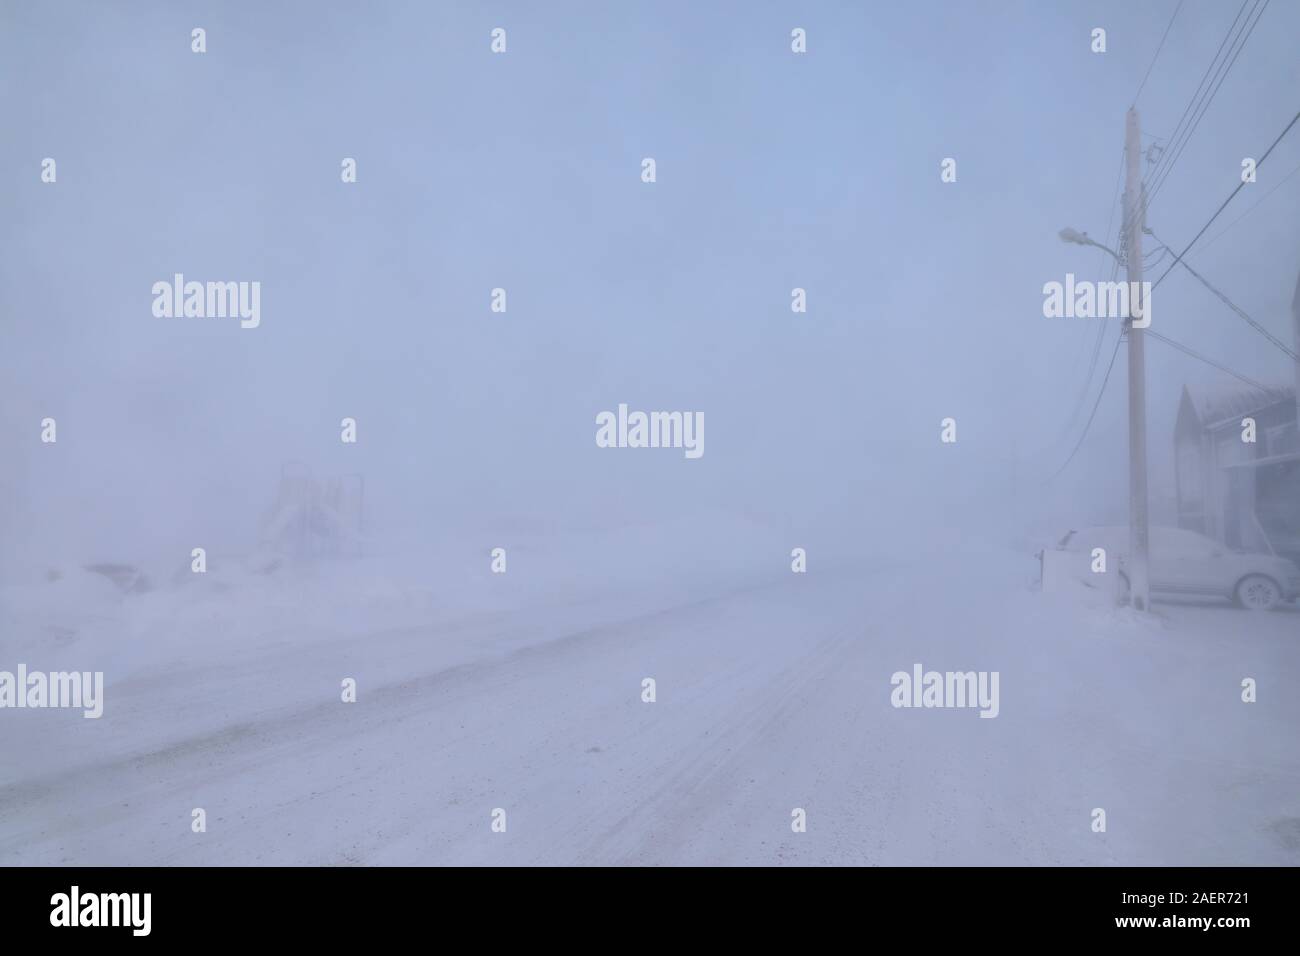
{"x": 313, "y": 518}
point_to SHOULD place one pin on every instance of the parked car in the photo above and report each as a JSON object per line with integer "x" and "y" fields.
{"x": 1186, "y": 563}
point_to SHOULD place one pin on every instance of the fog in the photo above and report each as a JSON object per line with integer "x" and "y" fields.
{"x": 522, "y": 171}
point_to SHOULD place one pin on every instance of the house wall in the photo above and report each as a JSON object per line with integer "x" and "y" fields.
{"x": 1210, "y": 499}
{"x": 1277, "y": 486}
{"x": 1190, "y": 474}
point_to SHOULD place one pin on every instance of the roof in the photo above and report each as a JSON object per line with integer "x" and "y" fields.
{"x": 1215, "y": 405}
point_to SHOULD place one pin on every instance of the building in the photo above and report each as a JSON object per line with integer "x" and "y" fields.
{"x": 312, "y": 518}
{"x": 1245, "y": 494}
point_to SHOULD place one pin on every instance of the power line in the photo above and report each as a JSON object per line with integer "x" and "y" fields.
{"x": 1196, "y": 95}
{"x": 1202, "y": 105}
{"x": 1101, "y": 333}
{"x": 1224, "y": 205}
{"x": 1159, "y": 47}
{"x": 1198, "y": 356}
{"x": 1101, "y": 327}
{"x": 1110, "y": 367}
{"x": 1233, "y": 306}
{"x": 1155, "y": 258}
{"x": 1255, "y": 205}
{"x": 1087, "y": 378}
{"x": 1220, "y": 76}
{"x": 1166, "y": 154}
{"x": 1167, "y": 161}
{"x": 1164, "y": 338}
{"x": 1114, "y": 201}
{"x": 1096, "y": 405}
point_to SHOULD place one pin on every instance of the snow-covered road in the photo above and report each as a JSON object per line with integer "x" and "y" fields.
{"x": 771, "y": 695}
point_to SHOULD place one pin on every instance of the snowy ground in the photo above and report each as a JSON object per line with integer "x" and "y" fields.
{"x": 523, "y": 691}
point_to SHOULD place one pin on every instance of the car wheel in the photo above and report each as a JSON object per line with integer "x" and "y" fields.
{"x": 1258, "y": 593}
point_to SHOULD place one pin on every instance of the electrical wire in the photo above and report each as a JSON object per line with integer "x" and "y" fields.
{"x": 1220, "y": 77}
{"x": 1079, "y": 401}
{"x": 1224, "y": 204}
{"x": 1093, "y": 414}
{"x": 1166, "y": 153}
{"x": 1255, "y": 205}
{"x": 1159, "y": 47}
{"x": 1198, "y": 356}
{"x": 1234, "y": 307}
{"x": 1196, "y": 107}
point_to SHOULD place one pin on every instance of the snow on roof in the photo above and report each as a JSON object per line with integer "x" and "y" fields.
{"x": 1219, "y": 403}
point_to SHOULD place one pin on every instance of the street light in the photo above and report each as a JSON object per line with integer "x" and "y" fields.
{"x": 1083, "y": 239}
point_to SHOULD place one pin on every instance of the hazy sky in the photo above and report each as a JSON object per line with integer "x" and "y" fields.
{"x": 522, "y": 171}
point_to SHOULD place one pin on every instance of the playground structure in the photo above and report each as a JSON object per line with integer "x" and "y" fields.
{"x": 311, "y": 518}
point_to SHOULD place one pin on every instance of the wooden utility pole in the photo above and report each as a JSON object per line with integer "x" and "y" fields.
{"x": 1135, "y": 220}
